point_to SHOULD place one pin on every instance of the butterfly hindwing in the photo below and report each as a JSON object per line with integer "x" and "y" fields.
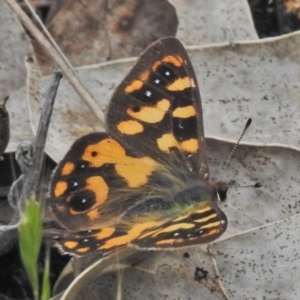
{"x": 201, "y": 225}
{"x": 156, "y": 223}
{"x": 190, "y": 217}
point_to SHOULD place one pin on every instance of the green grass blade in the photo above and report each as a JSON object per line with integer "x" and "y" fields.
{"x": 46, "y": 288}
{"x": 30, "y": 239}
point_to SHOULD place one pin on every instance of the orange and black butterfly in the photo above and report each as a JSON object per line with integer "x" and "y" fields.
{"x": 145, "y": 181}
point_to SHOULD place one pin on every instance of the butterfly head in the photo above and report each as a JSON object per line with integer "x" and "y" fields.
{"x": 220, "y": 189}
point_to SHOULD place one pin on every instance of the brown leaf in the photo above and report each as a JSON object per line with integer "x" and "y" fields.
{"x": 95, "y": 31}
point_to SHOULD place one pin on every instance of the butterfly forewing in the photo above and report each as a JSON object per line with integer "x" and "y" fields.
{"x": 97, "y": 181}
{"x": 157, "y": 109}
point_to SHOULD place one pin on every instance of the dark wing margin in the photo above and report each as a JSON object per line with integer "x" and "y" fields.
{"x": 201, "y": 225}
{"x": 157, "y": 109}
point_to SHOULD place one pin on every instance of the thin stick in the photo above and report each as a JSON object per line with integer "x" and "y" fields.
{"x": 74, "y": 81}
{"x": 49, "y": 36}
{"x": 34, "y": 169}
{"x": 27, "y": 183}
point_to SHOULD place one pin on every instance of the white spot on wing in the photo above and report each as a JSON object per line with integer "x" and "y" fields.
{"x": 192, "y": 83}
{"x": 148, "y": 93}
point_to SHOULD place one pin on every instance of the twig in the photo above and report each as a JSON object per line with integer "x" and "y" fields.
{"x": 32, "y": 177}
{"x": 27, "y": 184}
{"x": 74, "y": 81}
{"x": 4, "y": 127}
{"x": 47, "y": 33}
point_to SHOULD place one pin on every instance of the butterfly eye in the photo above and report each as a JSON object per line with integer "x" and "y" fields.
{"x": 82, "y": 201}
{"x": 222, "y": 193}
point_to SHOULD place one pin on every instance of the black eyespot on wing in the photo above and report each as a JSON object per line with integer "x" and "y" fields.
{"x": 166, "y": 72}
{"x": 82, "y": 200}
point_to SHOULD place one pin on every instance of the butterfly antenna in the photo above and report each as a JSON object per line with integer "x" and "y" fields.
{"x": 249, "y": 121}
{"x": 232, "y": 182}
{"x": 256, "y": 185}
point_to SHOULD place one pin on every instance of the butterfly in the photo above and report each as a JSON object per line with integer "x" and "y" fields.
{"x": 145, "y": 181}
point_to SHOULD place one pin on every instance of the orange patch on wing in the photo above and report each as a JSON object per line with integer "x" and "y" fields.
{"x": 150, "y": 233}
{"x": 130, "y": 127}
{"x": 105, "y": 232}
{"x": 177, "y": 61}
{"x": 99, "y": 187}
{"x": 83, "y": 250}
{"x": 135, "y": 85}
{"x": 209, "y": 225}
{"x": 174, "y": 228}
{"x": 60, "y": 188}
{"x": 131, "y": 235}
{"x": 93, "y": 215}
{"x": 202, "y": 210}
{"x": 181, "y": 218}
{"x": 135, "y": 171}
{"x": 144, "y": 75}
{"x": 190, "y": 145}
{"x": 169, "y": 241}
{"x": 202, "y": 220}
{"x": 166, "y": 141}
{"x": 199, "y": 211}
{"x": 212, "y": 232}
{"x": 150, "y": 114}
{"x": 70, "y": 244}
{"x": 193, "y": 238}
{"x": 68, "y": 168}
{"x": 180, "y": 84}
{"x": 184, "y": 112}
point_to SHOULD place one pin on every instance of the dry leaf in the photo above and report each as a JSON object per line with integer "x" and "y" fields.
{"x": 90, "y": 32}
{"x": 214, "y": 21}
{"x": 15, "y": 45}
